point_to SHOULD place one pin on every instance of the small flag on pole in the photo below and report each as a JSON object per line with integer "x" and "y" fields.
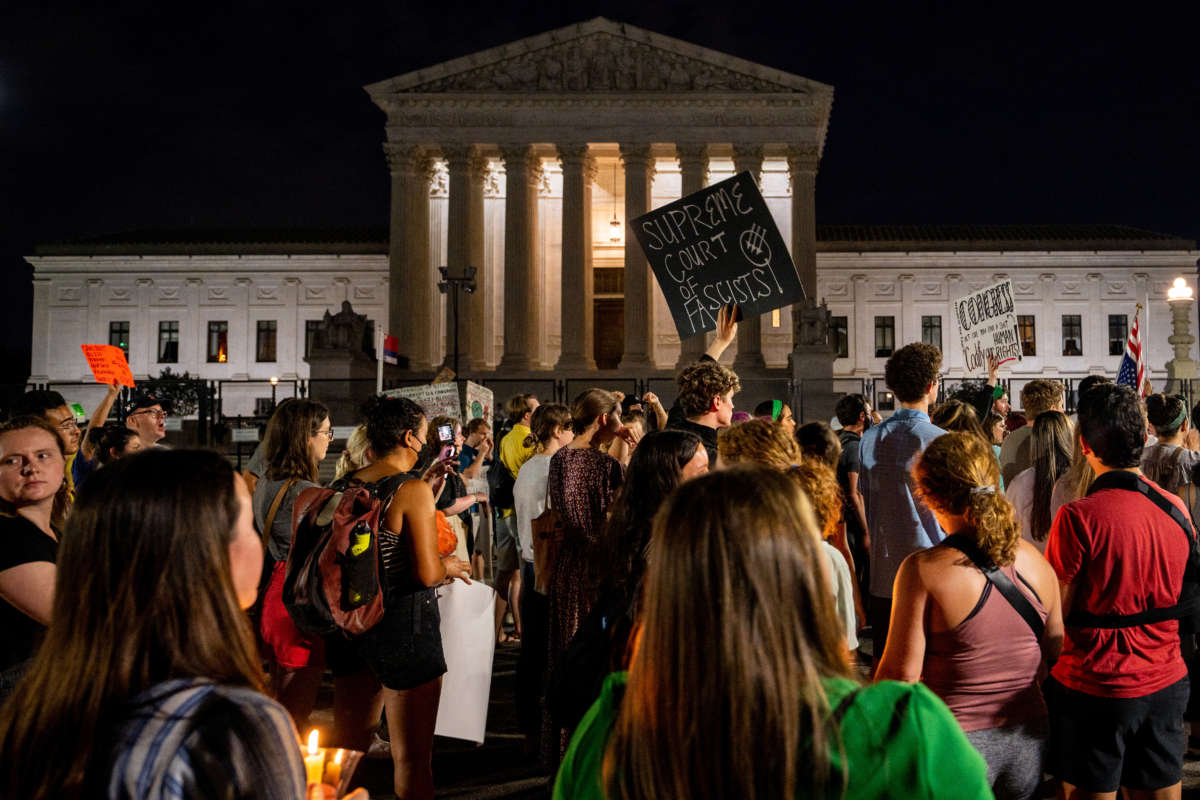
{"x": 391, "y": 350}
{"x": 1133, "y": 371}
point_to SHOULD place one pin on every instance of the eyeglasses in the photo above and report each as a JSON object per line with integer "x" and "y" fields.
{"x": 67, "y": 425}
{"x": 327, "y": 434}
{"x": 151, "y": 413}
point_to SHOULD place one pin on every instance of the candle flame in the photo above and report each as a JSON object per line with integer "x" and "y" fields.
{"x": 312, "y": 742}
{"x": 337, "y": 757}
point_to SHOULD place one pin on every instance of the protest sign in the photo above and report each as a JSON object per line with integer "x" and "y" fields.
{"x": 468, "y": 645}
{"x": 987, "y": 326}
{"x": 108, "y": 363}
{"x": 435, "y": 399}
{"x": 479, "y": 403}
{"x": 718, "y": 246}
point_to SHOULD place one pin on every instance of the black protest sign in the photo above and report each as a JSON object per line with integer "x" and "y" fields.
{"x": 715, "y": 247}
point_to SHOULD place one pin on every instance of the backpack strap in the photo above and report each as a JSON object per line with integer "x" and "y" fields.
{"x": 1001, "y": 581}
{"x": 265, "y": 533}
{"x": 1086, "y": 619}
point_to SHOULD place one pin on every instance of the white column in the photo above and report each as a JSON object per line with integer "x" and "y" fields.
{"x": 522, "y": 308}
{"x": 749, "y": 158}
{"x": 579, "y": 171}
{"x": 693, "y": 173}
{"x": 411, "y": 295}
{"x": 802, "y": 172}
{"x": 639, "y": 319}
{"x": 464, "y": 248}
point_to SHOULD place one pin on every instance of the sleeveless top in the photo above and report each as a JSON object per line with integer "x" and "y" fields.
{"x": 985, "y": 668}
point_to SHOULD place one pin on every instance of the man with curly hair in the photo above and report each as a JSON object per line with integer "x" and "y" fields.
{"x": 897, "y": 521}
{"x": 706, "y": 389}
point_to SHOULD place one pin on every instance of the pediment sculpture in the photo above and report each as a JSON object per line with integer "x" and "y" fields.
{"x": 601, "y": 62}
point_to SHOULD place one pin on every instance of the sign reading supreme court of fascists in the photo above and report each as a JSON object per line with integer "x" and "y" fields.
{"x": 718, "y": 246}
{"x": 987, "y": 326}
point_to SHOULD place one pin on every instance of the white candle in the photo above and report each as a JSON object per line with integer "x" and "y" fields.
{"x": 314, "y": 759}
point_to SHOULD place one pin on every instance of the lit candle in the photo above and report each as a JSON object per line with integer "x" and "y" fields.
{"x": 314, "y": 759}
{"x": 333, "y": 770}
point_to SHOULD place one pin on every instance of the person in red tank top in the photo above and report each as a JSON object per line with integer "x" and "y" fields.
{"x": 956, "y": 632}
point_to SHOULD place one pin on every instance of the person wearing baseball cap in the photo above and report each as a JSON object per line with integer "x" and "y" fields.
{"x": 144, "y": 416}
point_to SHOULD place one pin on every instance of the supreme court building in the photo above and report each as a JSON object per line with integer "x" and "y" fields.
{"x": 526, "y": 162}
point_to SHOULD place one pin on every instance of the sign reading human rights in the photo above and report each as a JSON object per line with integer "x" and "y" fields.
{"x": 987, "y": 326}
{"x": 715, "y": 247}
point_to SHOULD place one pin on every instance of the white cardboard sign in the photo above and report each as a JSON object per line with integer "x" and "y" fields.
{"x": 468, "y": 644}
{"x": 987, "y": 326}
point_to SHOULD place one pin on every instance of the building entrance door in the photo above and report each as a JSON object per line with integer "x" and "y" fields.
{"x": 608, "y": 316}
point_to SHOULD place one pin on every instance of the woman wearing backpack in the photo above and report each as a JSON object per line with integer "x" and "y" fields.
{"x": 295, "y": 442}
{"x": 404, "y": 650}
{"x": 960, "y": 633}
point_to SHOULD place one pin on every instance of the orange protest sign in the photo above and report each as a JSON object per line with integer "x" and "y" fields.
{"x": 108, "y": 363}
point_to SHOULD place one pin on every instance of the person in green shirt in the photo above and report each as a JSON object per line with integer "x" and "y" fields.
{"x": 738, "y": 685}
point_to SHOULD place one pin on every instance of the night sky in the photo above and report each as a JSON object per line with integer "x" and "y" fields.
{"x": 171, "y": 115}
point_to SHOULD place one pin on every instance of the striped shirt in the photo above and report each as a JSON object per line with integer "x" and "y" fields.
{"x": 190, "y": 738}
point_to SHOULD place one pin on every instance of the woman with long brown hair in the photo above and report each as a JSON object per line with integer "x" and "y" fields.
{"x": 33, "y": 502}
{"x": 738, "y": 686}
{"x": 957, "y": 628}
{"x": 1031, "y": 489}
{"x": 148, "y": 682}
{"x": 295, "y": 442}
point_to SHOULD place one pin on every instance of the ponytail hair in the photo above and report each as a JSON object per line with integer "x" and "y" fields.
{"x": 107, "y": 438}
{"x": 588, "y": 406}
{"x": 546, "y": 419}
{"x": 958, "y": 474}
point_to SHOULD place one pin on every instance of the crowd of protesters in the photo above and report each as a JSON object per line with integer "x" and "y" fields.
{"x": 959, "y": 600}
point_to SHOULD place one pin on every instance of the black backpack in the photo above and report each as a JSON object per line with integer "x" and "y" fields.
{"x": 500, "y": 485}
{"x": 1187, "y": 609}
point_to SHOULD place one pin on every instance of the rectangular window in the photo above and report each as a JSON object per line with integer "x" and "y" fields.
{"x": 839, "y": 332}
{"x": 168, "y": 342}
{"x": 931, "y": 331}
{"x": 218, "y": 342}
{"x": 1028, "y": 333}
{"x": 1072, "y": 335}
{"x": 310, "y": 335}
{"x": 264, "y": 341}
{"x": 1118, "y": 334}
{"x": 118, "y": 336}
{"x": 885, "y": 336}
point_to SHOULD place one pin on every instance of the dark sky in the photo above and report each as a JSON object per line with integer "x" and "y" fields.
{"x": 172, "y": 115}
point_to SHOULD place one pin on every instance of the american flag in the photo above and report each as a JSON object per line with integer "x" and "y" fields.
{"x": 1133, "y": 370}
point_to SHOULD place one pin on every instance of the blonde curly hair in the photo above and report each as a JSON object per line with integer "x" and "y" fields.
{"x": 819, "y": 482}
{"x": 958, "y": 474}
{"x": 759, "y": 440}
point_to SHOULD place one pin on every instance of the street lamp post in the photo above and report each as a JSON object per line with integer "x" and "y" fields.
{"x": 451, "y": 284}
{"x": 274, "y": 386}
{"x": 1181, "y": 370}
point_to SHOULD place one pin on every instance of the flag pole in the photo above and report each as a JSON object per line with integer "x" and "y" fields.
{"x": 379, "y": 333}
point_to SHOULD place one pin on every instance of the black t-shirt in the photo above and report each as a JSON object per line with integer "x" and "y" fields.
{"x": 24, "y": 543}
{"x": 707, "y": 435}
{"x": 847, "y": 463}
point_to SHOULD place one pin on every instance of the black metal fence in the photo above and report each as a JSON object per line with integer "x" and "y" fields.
{"x": 221, "y": 405}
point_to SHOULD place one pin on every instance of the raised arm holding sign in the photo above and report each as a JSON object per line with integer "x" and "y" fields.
{"x": 716, "y": 247}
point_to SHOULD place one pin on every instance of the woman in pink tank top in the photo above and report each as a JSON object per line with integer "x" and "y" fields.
{"x": 957, "y": 632}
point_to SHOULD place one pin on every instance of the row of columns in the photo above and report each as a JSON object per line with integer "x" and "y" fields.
{"x": 413, "y": 291}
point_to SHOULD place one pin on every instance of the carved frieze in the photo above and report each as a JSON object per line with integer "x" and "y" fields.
{"x": 168, "y": 296}
{"x": 69, "y": 294}
{"x": 601, "y": 62}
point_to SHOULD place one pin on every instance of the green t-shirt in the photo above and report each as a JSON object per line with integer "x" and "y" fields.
{"x": 900, "y": 741}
